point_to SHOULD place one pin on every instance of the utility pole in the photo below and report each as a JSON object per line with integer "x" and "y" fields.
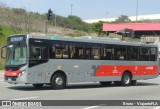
{"x": 137, "y": 11}
{"x": 46, "y": 26}
{"x": 71, "y": 8}
{"x": 106, "y": 16}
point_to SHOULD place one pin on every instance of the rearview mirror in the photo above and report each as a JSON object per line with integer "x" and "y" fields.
{"x": 3, "y": 54}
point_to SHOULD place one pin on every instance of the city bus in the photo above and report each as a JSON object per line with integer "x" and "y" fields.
{"x": 57, "y": 61}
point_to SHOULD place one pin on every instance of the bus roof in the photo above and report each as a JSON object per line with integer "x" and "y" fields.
{"x": 89, "y": 39}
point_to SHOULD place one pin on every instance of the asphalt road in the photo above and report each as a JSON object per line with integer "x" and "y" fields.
{"x": 145, "y": 90}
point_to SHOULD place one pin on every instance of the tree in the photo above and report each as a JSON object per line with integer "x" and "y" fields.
{"x": 123, "y": 19}
{"x": 97, "y": 27}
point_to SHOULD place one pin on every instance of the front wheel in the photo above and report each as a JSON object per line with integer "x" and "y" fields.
{"x": 58, "y": 81}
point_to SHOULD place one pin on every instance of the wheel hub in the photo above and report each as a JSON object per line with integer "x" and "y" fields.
{"x": 126, "y": 79}
{"x": 59, "y": 81}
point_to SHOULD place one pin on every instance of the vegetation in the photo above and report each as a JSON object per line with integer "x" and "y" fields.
{"x": 122, "y": 19}
{"x": 72, "y": 22}
{"x": 97, "y": 27}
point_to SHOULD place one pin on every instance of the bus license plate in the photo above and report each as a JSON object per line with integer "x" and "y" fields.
{"x": 9, "y": 79}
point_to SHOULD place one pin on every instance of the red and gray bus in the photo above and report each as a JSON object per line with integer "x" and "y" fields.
{"x": 57, "y": 61}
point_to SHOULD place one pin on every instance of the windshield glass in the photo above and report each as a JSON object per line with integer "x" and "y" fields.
{"x": 16, "y": 54}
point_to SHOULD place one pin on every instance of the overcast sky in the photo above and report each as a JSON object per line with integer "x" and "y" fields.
{"x": 88, "y": 9}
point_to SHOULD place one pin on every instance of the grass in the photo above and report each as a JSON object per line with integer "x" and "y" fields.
{"x": 1, "y": 66}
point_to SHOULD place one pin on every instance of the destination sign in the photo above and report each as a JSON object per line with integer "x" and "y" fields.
{"x": 15, "y": 39}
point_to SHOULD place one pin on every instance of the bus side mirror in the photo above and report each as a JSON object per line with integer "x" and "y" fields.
{"x": 3, "y": 55}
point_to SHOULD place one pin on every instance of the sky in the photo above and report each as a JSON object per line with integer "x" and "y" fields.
{"x": 88, "y": 9}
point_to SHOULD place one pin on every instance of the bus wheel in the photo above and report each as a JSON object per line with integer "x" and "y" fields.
{"x": 105, "y": 83}
{"x": 58, "y": 81}
{"x": 126, "y": 79}
{"x": 38, "y": 85}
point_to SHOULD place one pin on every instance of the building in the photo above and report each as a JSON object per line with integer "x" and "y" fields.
{"x": 139, "y": 29}
{"x": 152, "y": 17}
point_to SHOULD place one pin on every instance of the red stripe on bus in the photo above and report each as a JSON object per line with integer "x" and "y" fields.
{"x": 113, "y": 70}
{"x": 12, "y": 73}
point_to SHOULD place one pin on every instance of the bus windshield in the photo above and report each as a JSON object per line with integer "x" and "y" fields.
{"x": 16, "y": 54}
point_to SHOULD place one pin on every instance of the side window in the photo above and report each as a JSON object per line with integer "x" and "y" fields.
{"x": 153, "y": 56}
{"x": 145, "y": 54}
{"x": 38, "y": 52}
{"x": 52, "y": 52}
{"x": 92, "y": 51}
{"x": 133, "y": 53}
{"x": 120, "y": 53}
{"x": 72, "y": 51}
{"x": 108, "y": 52}
{"x": 76, "y": 50}
{"x": 61, "y": 50}
{"x": 95, "y": 52}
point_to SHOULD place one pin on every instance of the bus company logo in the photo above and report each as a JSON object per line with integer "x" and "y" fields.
{"x": 6, "y": 103}
{"x": 136, "y": 68}
{"x": 149, "y": 68}
{"x": 115, "y": 70}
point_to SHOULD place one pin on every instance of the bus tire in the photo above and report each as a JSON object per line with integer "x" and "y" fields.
{"x": 105, "y": 83}
{"x": 126, "y": 79}
{"x": 58, "y": 81}
{"x": 134, "y": 83}
{"x": 38, "y": 85}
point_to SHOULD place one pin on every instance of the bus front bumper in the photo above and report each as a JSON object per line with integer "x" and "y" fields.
{"x": 15, "y": 79}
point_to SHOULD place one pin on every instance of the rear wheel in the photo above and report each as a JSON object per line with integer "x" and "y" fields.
{"x": 126, "y": 79}
{"x": 106, "y": 83}
{"x": 58, "y": 81}
{"x": 38, "y": 85}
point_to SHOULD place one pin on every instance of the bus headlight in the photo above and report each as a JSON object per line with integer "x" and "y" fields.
{"x": 22, "y": 73}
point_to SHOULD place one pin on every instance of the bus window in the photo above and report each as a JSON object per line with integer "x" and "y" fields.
{"x": 72, "y": 51}
{"x": 153, "y": 54}
{"x": 80, "y": 53}
{"x": 145, "y": 54}
{"x": 88, "y": 53}
{"x": 96, "y": 52}
{"x": 132, "y": 53}
{"x": 38, "y": 52}
{"x": 52, "y": 52}
{"x": 120, "y": 53}
{"x": 77, "y": 50}
{"x": 61, "y": 50}
{"x": 108, "y": 52}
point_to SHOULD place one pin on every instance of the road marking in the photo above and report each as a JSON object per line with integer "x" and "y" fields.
{"x": 7, "y": 86}
{"x": 156, "y": 107}
{"x": 26, "y": 98}
{"x": 93, "y": 106}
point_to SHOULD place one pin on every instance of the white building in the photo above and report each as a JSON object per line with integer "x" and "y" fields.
{"x": 132, "y": 18}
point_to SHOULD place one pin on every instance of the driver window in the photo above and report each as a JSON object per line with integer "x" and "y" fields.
{"x": 38, "y": 52}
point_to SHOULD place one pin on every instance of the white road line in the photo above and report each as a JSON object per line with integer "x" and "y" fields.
{"x": 7, "y": 86}
{"x": 93, "y": 106}
{"x": 26, "y": 98}
{"x": 157, "y": 107}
